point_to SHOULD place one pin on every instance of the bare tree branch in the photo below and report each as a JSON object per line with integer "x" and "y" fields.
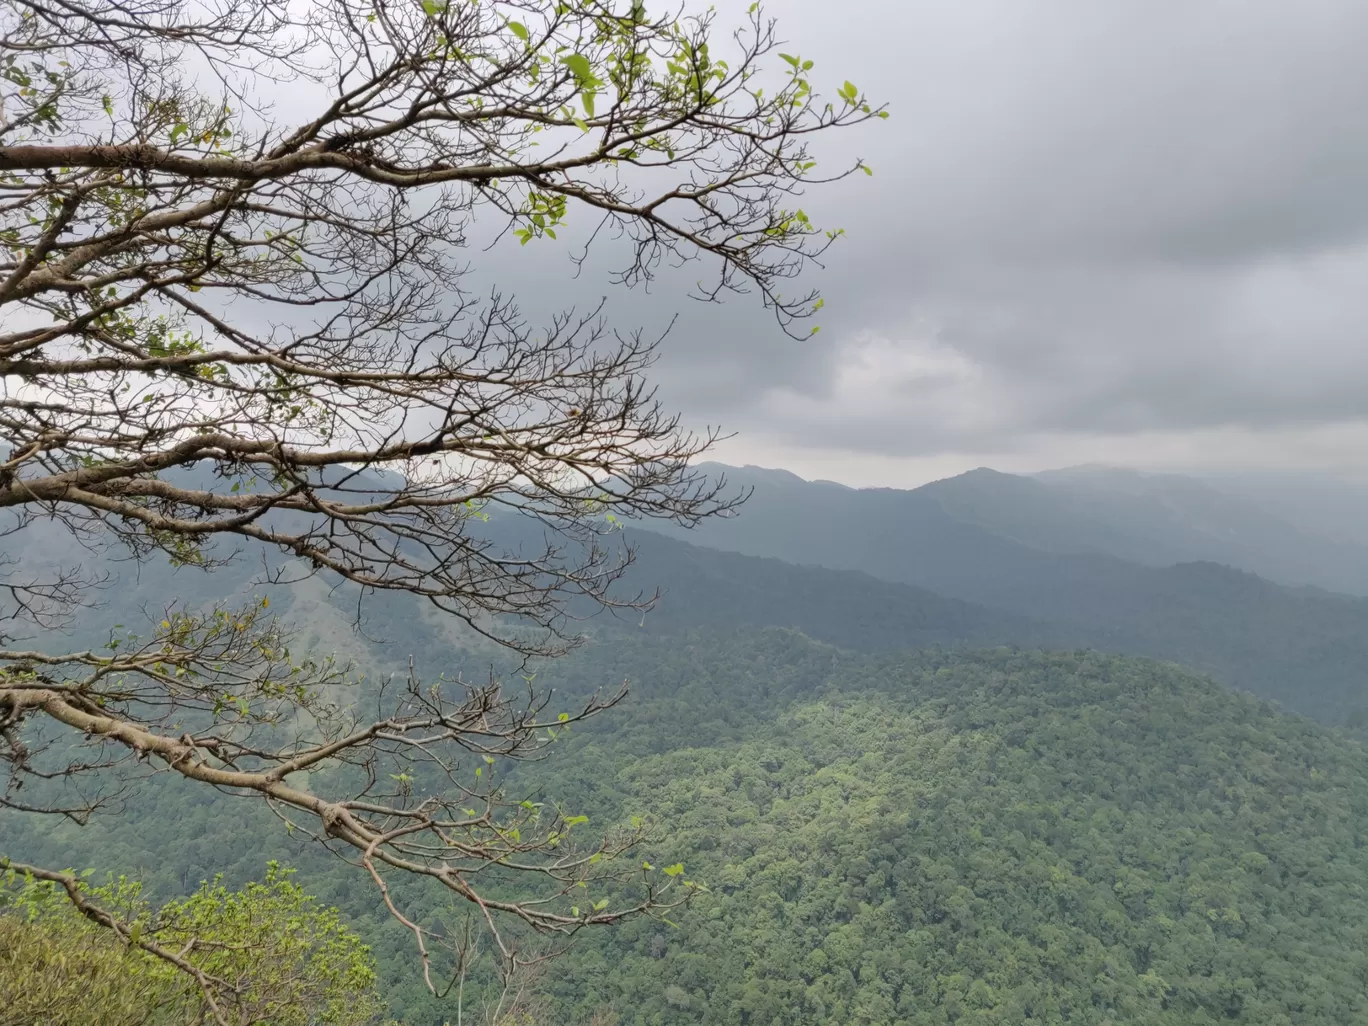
{"x": 223, "y": 326}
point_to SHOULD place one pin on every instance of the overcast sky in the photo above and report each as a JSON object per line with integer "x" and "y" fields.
{"x": 1131, "y": 232}
{"x": 1122, "y": 232}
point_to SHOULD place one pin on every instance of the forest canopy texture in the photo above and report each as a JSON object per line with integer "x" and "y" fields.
{"x": 994, "y": 837}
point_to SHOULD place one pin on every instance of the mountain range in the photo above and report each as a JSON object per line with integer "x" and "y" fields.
{"x": 1117, "y": 561}
{"x": 904, "y": 738}
{"x": 1091, "y": 557}
{"x": 1154, "y": 520}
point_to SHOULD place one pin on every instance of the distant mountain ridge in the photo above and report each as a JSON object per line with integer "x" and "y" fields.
{"x": 1171, "y": 518}
{"x": 1151, "y": 519}
{"x": 949, "y": 565}
{"x": 1003, "y": 543}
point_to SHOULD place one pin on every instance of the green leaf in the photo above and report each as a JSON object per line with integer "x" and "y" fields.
{"x": 581, "y": 68}
{"x": 576, "y": 820}
{"x": 868, "y": 170}
{"x": 791, "y": 59}
{"x": 519, "y": 30}
{"x": 433, "y": 8}
{"x": 674, "y": 870}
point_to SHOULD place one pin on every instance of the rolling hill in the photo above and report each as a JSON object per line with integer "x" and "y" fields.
{"x": 1304, "y": 647}
{"x": 915, "y": 838}
{"x": 977, "y": 838}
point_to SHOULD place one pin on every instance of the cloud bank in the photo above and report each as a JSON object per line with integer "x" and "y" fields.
{"x": 1132, "y": 231}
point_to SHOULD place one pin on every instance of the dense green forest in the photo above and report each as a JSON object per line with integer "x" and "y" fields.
{"x": 912, "y": 826}
{"x": 996, "y": 838}
{"x": 977, "y": 837}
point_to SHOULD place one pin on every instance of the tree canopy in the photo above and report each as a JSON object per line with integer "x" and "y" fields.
{"x": 268, "y": 953}
{"x": 990, "y": 838}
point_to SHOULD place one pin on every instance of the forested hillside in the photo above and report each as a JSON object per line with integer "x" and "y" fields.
{"x": 924, "y": 837}
{"x": 991, "y": 838}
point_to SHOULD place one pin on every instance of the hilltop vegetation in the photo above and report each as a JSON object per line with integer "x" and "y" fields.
{"x": 992, "y": 837}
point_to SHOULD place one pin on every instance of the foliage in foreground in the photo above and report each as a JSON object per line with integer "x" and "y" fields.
{"x": 239, "y": 333}
{"x": 288, "y": 960}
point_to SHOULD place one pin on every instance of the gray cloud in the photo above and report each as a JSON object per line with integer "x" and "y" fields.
{"x": 1089, "y": 224}
{"x": 1132, "y": 231}
{"x": 1120, "y": 130}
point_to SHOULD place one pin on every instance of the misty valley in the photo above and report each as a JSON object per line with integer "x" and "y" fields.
{"x": 1067, "y": 787}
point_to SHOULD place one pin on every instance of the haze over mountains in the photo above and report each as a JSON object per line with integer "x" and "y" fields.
{"x": 1151, "y": 519}
{"x": 1155, "y": 565}
{"x": 975, "y": 832}
{"x": 1168, "y": 567}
